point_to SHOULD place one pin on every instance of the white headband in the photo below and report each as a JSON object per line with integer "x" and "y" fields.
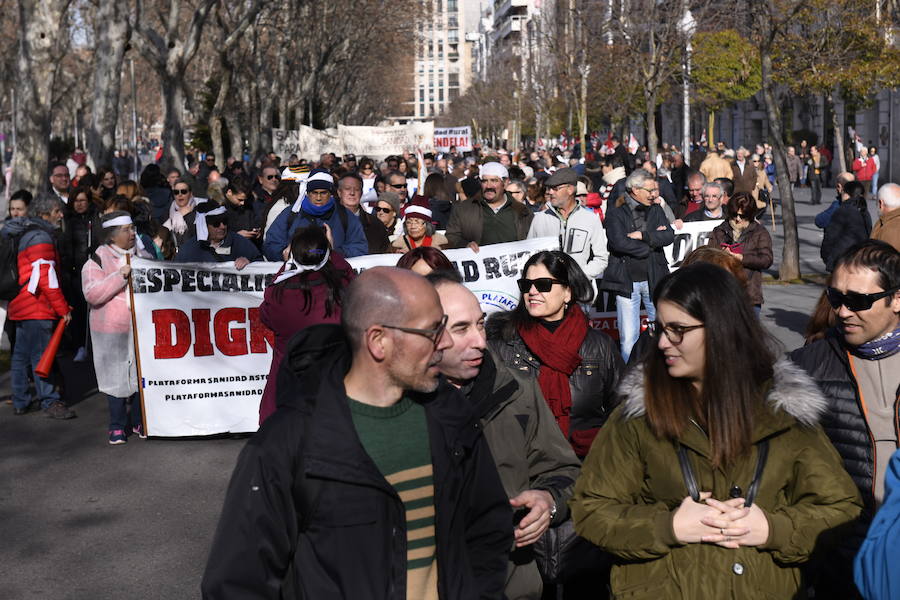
{"x": 320, "y": 176}
{"x": 200, "y": 222}
{"x": 123, "y": 220}
{"x": 297, "y": 269}
{"x": 494, "y": 169}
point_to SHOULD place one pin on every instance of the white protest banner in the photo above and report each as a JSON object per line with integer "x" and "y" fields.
{"x": 204, "y": 355}
{"x": 305, "y": 142}
{"x": 448, "y": 137}
{"x": 378, "y": 142}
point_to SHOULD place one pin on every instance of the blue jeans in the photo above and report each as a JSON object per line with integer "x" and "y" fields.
{"x": 118, "y": 412}
{"x": 32, "y": 336}
{"x": 628, "y": 313}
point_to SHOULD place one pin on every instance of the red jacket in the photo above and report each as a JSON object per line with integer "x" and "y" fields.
{"x": 46, "y": 303}
{"x": 864, "y": 171}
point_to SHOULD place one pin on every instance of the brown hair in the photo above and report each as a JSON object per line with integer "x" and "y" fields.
{"x": 129, "y": 189}
{"x": 741, "y": 202}
{"x": 718, "y": 257}
{"x": 738, "y": 362}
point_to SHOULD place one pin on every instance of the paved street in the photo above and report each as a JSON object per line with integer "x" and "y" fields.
{"x": 82, "y": 520}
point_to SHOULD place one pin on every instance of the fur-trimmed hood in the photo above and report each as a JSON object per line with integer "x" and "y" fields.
{"x": 792, "y": 391}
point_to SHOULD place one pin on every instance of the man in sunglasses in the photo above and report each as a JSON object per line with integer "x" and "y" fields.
{"x": 213, "y": 242}
{"x": 492, "y": 217}
{"x": 535, "y": 461}
{"x": 857, "y": 365}
{"x": 373, "y": 478}
{"x": 266, "y": 184}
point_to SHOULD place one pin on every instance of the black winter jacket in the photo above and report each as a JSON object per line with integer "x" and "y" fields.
{"x": 849, "y": 225}
{"x": 314, "y": 518}
{"x": 619, "y": 223}
{"x": 845, "y": 423}
{"x": 593, "y": 384}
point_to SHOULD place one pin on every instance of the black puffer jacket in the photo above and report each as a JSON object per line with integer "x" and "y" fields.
{"x": 844, "y": 422}
{"x": 849, "y": 225}
{"x": 309, "y": 515}
{"x": 593, "y": 384}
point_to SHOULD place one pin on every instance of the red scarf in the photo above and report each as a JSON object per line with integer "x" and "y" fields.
{"x": 558, "y": 353}
{"x": 426, "y": 241}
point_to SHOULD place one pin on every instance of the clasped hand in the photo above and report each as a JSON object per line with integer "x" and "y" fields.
{"x": 729, "y": 524}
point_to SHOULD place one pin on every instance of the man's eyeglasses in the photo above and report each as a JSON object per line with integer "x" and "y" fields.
{"x": 654, "y": 190}
{"x": 855, "y": 301}
{"x": 181, "y": 192}
{"x": 271, "y": 177}
{"x": 432, "y": 334}
{"x": 215, "y": 222}
{"x": 398, "y": 186}
{"x": 541, "y": 284}
{"x": 381, "y": 209}
{"x": 675, "y": 333}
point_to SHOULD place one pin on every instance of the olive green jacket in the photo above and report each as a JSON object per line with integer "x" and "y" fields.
{"x": 631, "y": 484}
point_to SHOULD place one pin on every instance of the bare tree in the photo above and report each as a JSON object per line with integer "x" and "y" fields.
{"x": 43, "y": 38}
{"x": 169, "y": 51}
{"x": 111, "y": 34}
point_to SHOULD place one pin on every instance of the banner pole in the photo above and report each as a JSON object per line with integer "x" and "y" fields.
{"x": 137, "y": 349}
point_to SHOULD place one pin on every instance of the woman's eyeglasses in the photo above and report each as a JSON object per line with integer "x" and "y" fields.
{"x": 674, "y": 332}
{"x": 541, "y": 284}
{"x": 855, "y": 301}
{"x": 381, "y": 209}
{"x": 181, "y": 192}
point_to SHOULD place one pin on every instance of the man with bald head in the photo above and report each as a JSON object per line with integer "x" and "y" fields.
{"x": 887, "y": 228}
{"x": 373, "y": 474}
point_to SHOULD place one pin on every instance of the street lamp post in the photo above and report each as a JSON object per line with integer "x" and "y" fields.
{"x": 687, "y": 26}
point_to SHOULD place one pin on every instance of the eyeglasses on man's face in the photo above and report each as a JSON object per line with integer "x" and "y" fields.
{"x": 432, "y": 334}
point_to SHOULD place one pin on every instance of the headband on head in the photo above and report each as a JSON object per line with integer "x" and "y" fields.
{"x": 116, "y": 222}
{"x": 200, "y": 222}
{"x": 296, "y": 269}
{"x": 494, "y": 169}
{"x": 415, "y": 210}
{"x": 320, "y": 176}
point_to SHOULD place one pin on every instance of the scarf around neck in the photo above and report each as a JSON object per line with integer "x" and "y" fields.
{"x": 883, "y": 347}
{"x": 558, "y": 352}
{"x": 316, "y": 211}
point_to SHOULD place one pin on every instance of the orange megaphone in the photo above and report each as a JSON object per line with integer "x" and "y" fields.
{"x": 46, "y": 363}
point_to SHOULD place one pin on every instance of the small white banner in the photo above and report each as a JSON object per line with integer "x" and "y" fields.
{"x": 449, "y": 137}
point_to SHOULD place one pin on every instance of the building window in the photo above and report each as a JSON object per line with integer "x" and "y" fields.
{"x": 453, "y": 79}
{"x": 441, "y": 95}
{"x": 453, "y": 94}
{"x": 453, "y": 36}
{"x": 452, "y": 6}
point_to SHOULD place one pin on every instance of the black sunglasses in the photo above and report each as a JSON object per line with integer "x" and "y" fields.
{"x": 271, "y": 177}
{"x": 214, "y": 222}
{"x": 181, "y": 192}
{"x": 541, "y": 284}
{"x": 398, "y": 186}
{"x": 384, "y": 210}
{"x": 855, "y": 301}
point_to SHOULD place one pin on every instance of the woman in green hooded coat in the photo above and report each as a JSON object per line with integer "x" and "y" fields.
{"x": 712, "y": 479}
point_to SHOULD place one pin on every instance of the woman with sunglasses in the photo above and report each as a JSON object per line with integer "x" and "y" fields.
{"x": 849, "y": 225}
{"x": 713, "y": 478}
{"x": 547, "y": 336}
{"x": 743, "y": 238}
{"x": 387, "y": 209}
{"x": 181, "y": 213}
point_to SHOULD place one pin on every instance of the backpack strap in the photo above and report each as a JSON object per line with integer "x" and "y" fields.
{"x": 690, "y": 481}
{"x": 762, "y": 453}
{"x": 687, "y": 472}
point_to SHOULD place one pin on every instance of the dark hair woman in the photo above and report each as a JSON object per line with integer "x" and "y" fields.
{"x": 306, "y": 291}
{"x": 79, "y": 239}
{"x": 746, "y": 240}
{"x": 425, "y": 259}
{"x": 106, "y": 183}
{"x": 713, "y": 478}
{"x": 849, "y": 225}
{"x": 548, "y": 336}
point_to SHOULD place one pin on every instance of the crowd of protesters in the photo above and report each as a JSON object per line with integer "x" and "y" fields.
{"x": 411, "y": 448}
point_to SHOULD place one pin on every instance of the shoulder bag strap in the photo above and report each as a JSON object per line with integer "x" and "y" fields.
{"x": 687, "y": 472}
{"x": 762, "y": 453}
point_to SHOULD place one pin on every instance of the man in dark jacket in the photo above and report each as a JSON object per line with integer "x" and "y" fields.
{"x": 317, "y": 207}
{"x": 536, "y": 464}
{"x": 857, "y": 366}
{"x": 491, "y": 218}
{"x": 372, "y": 476}
{"x": 636, "y": 231}
{"x": 214, "y": 242}
{"x": 39, "y": 303}
{"x": 349, "y": 191}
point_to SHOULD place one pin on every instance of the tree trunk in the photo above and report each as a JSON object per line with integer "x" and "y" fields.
{"x": 652, "y": 140}
{"x": 790, "y": 257}
{"x": 711, "y": 128}
{"x": 235, "y": 134}
{"x": 215, "y": 135}
{"x": 112, "y": 34}
{"x": 40, "y": 29}
{"x": 838, "y": 136}
{"x": 215, "y": 116}
{"x": 173, "y": 128}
